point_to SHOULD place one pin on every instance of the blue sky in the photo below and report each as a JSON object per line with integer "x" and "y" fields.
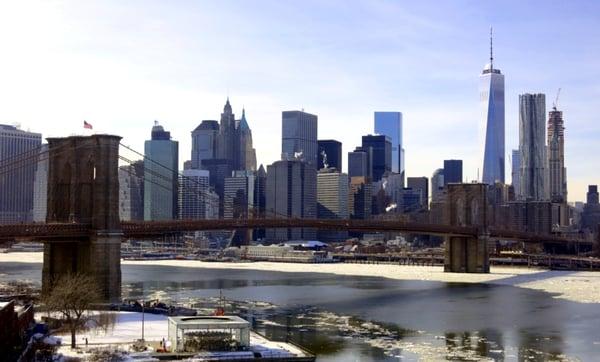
{"x": 122, "y": 64}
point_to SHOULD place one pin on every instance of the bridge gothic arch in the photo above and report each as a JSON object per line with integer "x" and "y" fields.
{"x": 465, "y": 206}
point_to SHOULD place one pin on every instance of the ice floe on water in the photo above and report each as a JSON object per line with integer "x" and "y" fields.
{"x": 578, "y": 286}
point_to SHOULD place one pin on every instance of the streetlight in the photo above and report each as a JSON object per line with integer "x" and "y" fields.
{"x": 143, "y": 307}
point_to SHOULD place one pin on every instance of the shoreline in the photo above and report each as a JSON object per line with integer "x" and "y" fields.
{"x": 576, "y": 286}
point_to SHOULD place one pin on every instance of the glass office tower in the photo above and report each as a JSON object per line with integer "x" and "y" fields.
{"x": 390, "y": 124}
{"x": 160, "y": 175}
{"x": 492, "y": 101}
{"x": 381, "y": 152}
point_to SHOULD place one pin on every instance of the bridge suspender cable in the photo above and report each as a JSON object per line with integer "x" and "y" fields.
{"x": 189, "y": 179}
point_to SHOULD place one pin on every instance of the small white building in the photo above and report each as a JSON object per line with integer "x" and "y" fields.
{"x": 184, "y": 329}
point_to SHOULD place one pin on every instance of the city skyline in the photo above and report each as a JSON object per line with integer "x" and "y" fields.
{"x": 79, "y": 61}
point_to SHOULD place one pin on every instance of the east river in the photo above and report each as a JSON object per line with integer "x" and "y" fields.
{"x": 354, "y": 318}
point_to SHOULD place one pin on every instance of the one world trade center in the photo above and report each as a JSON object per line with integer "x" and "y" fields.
{"x": 492, "y": 101}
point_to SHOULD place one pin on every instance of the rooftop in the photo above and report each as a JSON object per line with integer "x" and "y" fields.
{"x": 210, "y": 321}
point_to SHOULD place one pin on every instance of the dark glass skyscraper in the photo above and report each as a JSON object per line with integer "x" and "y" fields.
{"x": 357, "y": 164}
{"x": 590, "y": 218}
{"x": 291, "y": 193}
{"x": 382, "y": 154}
{"x": 453, "y": 171}
{"x": 390, "y": 124}
{"x": 330, "y": 153}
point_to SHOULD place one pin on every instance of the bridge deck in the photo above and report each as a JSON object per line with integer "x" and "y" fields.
{"x": 140, "y": 229}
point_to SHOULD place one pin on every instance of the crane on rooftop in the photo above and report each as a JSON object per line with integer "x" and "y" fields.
{"x": 555, "y": 103}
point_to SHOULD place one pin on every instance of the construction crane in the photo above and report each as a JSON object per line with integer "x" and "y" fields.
{"x": 555, "y": 103}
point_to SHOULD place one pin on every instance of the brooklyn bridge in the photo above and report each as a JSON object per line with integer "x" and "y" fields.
{"x": 83, "y": 232}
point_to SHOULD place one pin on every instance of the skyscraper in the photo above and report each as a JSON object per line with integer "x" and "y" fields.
{"x": 359, "y": 163}
{"x": 131, "y": 191}
{"x": 260, "y": 192}
{"x": 160, "y": 175}
{"x": 16, "y": 178}
{"x": 238, "y": 202}
{"x": 492, "y": 101}
{"x": 557, "y": 181}
{"x": 291, "y": 193}
{"x": 390, "y": 124}
{"x": 219, "y": 169}
{"x": 359, "y": 198}
{"x": 238, "y": 197}
{"x": 394, "y": 187}
{"x": 247, "y": 153}
{"x": 330, "y": 153}
{"x": 590, "y": 218}
{"x": 204, "y": 142}
{"x": 453, "y": 171}
{"x": 516, "y": 171}
{"x": 234, "y": 142}
{"x": 40, "y": 188}
{"x": 332, "y": 194}
{"x": 420, "y": 184}
{"x": 260, "y": 199}
{"x": 382, "y": 154}
{"x": 437, "y": 185}
{"x": 222, "y": 148}
{"x": 532, "y": 146}
{"x": 195, "y": 197}
{"x": 332, "y": 200}
{"x": 299, "y": 136}
{"x": 228, "y": 146}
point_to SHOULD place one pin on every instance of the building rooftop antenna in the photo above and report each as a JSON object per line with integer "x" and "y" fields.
{"x": 491, "y": 49}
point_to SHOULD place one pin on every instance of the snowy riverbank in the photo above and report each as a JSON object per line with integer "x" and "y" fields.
{"x": 578, "y": 286}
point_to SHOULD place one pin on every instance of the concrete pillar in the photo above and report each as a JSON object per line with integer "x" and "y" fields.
{"x": 466, "y": 205}
{"x": 105, "y": 266}
{"x": 83, "y": 187}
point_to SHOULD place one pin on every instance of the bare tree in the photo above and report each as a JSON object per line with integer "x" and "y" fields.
{"x": 72, "y": 295}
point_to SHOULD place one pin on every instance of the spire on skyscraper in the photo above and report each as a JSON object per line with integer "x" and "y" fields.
{"x": 243, "y": 123}
{"x": 491, "y": 49}
{"x": 492, "y": 98}
{"x": 227, "y": 108}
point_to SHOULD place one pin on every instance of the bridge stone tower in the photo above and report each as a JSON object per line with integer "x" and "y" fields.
{"x": 466, "y": 205}
{"x": 83, "y": 187}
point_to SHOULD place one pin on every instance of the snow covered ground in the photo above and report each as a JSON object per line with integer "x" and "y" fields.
{"x": 128, "y": 328}
{"x": 575, "y": 286}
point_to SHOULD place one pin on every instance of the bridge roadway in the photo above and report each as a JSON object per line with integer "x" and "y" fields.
{"x": 147, "y": 229}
